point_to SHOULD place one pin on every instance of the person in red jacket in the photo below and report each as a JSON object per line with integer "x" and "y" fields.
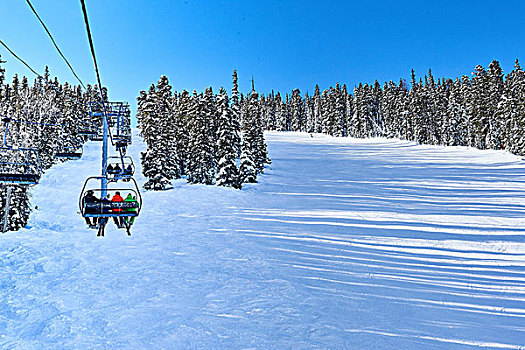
{"x": 119, "y": 221}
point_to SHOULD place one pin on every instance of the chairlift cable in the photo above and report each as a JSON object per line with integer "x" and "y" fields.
{"x": 18, "y": 58}
{"x": 88, "y": 30}
{"x": 38, "y": 75}
{"x": 46, "y": 82}
{"x": 54, "y": 43}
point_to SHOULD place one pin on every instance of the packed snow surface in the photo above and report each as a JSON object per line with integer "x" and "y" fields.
{"x": 344, "y": 243}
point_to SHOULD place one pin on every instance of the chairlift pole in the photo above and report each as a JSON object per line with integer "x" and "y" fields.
{"x": 104, "y": 180}
{"x": 6, "y": 213}
{"x": 120, "y": 115}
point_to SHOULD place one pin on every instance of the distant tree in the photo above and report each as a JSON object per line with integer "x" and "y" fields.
{"x": 512, "y": 110}
{"x": 253, "y": 133}
{"x": 2, "y": 72}
{"x": 308, "y": 106}
{"x": 456, "y": 133}
{"x": 247, "y": 171}
{"x": 317, "y": 114}
{"x": 201, "y": 162}
{"x": 153, "y": 160}
{"x": 340, "y": 112}
{"x": 348, "y": 111}
{"x": 479, "y": 107}
{"x": 298, "y": 112}
{"x": 236, "y": 114}
{"x": 496, "y": 122}
{"x": 227, "y": 172}
{"x": 280, "y": 113}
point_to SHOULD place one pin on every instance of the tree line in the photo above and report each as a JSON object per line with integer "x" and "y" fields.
{"x": 486, "y": 110}
{"x": 43, "y": 116}
{"x": 202, "y": 137}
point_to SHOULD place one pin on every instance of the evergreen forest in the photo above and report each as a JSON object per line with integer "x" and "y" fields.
{"x": 44, "y": 116}
{"x": 211, "y": 138}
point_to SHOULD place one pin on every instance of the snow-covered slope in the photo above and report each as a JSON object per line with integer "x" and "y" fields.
{"x": 360, "y": 244}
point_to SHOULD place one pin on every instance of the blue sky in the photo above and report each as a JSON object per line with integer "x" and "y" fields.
{"x": 283, "y": 44}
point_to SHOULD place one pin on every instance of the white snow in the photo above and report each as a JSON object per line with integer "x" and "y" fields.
{"x": 344, "y": 243}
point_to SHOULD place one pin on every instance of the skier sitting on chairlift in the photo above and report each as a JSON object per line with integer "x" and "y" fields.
{"x": 117, "y": 169}
{"x": 129, "y": 170}
{"x": 131, "y": 198}
{"x": 109, "y": 169}
{"x": 90, "y": 198}
{"x": 119, "y": 221}
{"x": 103, "y": 220}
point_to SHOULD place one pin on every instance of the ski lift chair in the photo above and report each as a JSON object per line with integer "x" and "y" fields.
{"x": 19, "y": 166}
{"x": 97, "y": 136}
{"x": 87, "y": 132}
{"x": 69, "y": 153}
{"x": 103, "y": 210}
{"x": 124, "y": 171}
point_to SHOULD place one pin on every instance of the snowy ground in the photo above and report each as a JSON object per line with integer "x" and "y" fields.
{"x": 359, "y": 244}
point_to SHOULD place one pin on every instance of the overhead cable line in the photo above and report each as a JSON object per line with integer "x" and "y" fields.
{"x": 18, "y": 58}
{"x": 45, "y": 81}
{"x": 54, "y": 43}
{"x": 50, "y": 84}
{"x": 92, "y": 47}
{"x": 36, "y": 73}
{"x": 86, "y": 21}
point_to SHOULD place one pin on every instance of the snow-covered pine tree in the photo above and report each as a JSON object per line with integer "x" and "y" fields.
{"x": 512, "y": 110}
{"x": 433, "y": 110}
{"x": 388, "y": 108}
{"x": 309, "y": 112}
{"x": 518, "y": 90}
{"x": 348, "y": 110}
{"x": 413, "y": 110}
{"x": 52, "y": 103}
{"x": 181, "y": 119}
{"x": 455, "y": 134}
{"x": 287, "y": 114}
{"x": 377, "y": 113}
{"x": 2, "y": 73}
{"x": 402, "y": 113}
{"x": 142, "y": 117}
{"x": 441, "y": 121}
{"x": 340, "y": 113}
{"x": 317, "y": 114}
{"x": 357, "y": 129}
{"x": 247, "y": 172}
{"x": 298, "y": 113}
{"x": 479, "y": 107}
{"x": 496, "y": 122}
{"x": 466, "y": 92}
{"x": 417, "y": 106}
{"x": 247, "y": 167}
{"x": 153, "y": 159}
{"x": 236, "y": 112}
{"x": 280, "y": 114}
{"x": 329, "y": 112}
{"x": 201, "y": 162}
{"x": 227, "y": 172}
{"x": 369, "y": 112}
{"x": 271, "y": 122}
{"x": 167, "y": 127}
{"x": 254, "y": 133}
